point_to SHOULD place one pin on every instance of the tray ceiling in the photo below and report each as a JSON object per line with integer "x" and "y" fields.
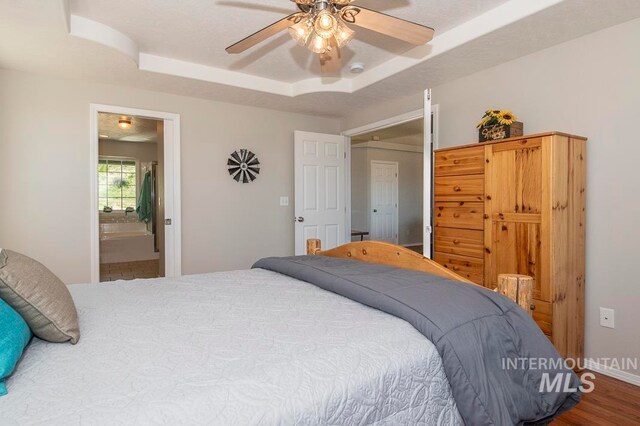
{"x": 198, "y": 31}
{"x": 178, "y": 47}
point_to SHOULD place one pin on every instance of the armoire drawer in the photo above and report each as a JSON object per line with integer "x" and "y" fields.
{"x": 463, "y": 242}
{"x": 543, "y": 316}
{"x": 469, "y": 267}
{"x": 463, "y": 214}
{"x": 466, "y": 161}
{"x": 459, "y": 188}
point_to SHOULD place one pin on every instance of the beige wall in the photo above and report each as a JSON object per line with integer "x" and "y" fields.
{"x": 589, "y": 86}
{"x": 44, "y": 170}
{"x": 141, "y": 151}
{"x": 410, "y": 183}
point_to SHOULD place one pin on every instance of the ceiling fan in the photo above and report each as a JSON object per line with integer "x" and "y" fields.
{"x": 323, "y": 26}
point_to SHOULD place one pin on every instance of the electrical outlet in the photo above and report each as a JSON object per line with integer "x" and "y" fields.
{"x": 284, "y": 201}
{"x": 607, "y": 318}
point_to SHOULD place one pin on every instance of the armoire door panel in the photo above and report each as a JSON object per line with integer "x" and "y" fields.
{"x": 517, "y": 249}
{"x": 516, "y": 179}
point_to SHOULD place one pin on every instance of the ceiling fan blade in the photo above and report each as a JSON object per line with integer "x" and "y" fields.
{"x": 265, "y": 33}
{"x": 385, "y": 24}
{"x": 330, "y": 61}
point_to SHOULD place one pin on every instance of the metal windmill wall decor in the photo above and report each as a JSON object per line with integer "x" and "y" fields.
{"x": 243, "y": 166}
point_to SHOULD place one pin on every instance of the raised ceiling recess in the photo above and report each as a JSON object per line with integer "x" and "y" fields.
{"x": 160, "y": 38}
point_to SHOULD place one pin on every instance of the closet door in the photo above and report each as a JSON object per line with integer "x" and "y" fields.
{"x": 514, "y": 239}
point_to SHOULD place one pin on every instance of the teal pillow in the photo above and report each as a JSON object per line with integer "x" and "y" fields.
{"x": 14, "y": 337}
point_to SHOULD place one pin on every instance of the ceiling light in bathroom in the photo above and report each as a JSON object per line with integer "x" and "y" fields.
{"x": 124, "y": 123}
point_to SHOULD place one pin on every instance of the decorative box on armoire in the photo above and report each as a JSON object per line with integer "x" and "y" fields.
{"x": 518, "y": 206}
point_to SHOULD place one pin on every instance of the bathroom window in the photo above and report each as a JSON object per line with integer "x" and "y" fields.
{"x": 116, "y": 183}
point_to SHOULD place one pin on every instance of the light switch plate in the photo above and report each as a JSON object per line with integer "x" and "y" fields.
{"x": 607, "y": 318}
{"x": 284, "y": 201}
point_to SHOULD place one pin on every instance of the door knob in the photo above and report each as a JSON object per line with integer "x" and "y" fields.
{"x": 301, "y": 219}
{"x": 375, "y": 210}
{"x": 167, "y": 222}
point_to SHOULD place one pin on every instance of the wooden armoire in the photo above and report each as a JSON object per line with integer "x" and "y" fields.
{"x": 518, "y": 206}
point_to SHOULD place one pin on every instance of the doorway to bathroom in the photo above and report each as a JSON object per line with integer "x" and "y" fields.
{"x": 134, "y": 179}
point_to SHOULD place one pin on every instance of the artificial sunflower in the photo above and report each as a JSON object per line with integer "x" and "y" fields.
{"x": 506, "y": 118}
{"x": 485, "y": 120}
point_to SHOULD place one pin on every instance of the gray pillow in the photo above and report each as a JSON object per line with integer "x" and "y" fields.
{"x": 39, "y": 297}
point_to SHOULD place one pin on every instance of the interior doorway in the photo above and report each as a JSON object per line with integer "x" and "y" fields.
{"x": 130, "y": 177}
{"x": 135, "y": 194}
{"x": 387, "y": 170}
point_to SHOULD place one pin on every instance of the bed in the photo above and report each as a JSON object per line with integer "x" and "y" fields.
{"x": 243, "y": 347}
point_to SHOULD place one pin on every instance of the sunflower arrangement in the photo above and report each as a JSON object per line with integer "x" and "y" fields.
{"x": 497, "y": 116}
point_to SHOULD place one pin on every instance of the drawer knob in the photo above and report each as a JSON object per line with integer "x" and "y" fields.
{"x": 457, "y": 188}
{"x": 456, "y": 215}
{"x": 456, "y": 242}
{"x": 456, "y": 161}
{"x": 455, "y": 268}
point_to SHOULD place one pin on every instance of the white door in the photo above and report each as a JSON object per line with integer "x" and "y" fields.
{"x": 384, "y": 201}
{"x": 319, "y": 190}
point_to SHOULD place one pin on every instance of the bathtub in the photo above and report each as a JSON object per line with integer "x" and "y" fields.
{"x": 126, "y": 242}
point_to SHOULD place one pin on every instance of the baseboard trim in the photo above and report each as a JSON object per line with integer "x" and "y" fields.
{"x": 612, "y": 372}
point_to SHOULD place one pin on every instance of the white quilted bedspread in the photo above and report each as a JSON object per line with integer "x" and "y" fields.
{"x": 236, "y": 348}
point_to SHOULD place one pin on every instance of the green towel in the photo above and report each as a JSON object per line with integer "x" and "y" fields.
{"x": 145, "y": 204}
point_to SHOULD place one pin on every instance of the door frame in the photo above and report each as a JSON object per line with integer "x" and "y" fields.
{"x": 173, "y": 234}
{"x": 428, "y": 180}
{"x": 397, "y": 194}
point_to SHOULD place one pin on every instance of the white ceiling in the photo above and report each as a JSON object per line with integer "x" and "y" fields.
{"x": 409, "y": 133}
{"x": 178, "y": 47}
{"x": 198, "y": 31}
{"x": 141, "y": 130}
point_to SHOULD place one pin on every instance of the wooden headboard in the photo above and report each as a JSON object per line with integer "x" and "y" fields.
{"x": 385, "y": 254}
{"x": 518, "y": 288}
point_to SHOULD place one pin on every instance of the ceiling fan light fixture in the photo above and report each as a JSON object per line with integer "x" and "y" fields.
{"x": 300, "y": 32}
{"x": 325, "y": 24}
{"x": 124, "y": 123}
{"x": 344, "y": 34}
{"x": 319, "y": 44}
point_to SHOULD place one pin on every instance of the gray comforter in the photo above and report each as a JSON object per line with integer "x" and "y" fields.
{"x": 485, "y": 340}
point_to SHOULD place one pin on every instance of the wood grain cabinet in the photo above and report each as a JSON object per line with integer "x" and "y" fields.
{"x": 518, "y": 206}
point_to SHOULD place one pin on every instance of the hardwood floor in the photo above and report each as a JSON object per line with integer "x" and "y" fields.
{"x": 417, "y": 249}
{"x": 612, "y": 402}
